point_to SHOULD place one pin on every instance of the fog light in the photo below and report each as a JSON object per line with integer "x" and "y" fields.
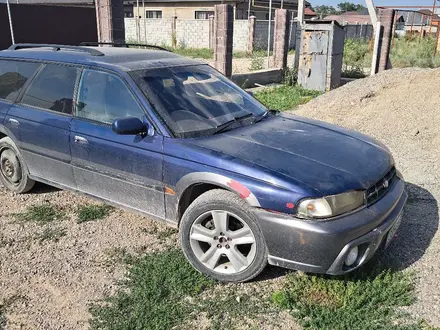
{"x": 352, "y": 256}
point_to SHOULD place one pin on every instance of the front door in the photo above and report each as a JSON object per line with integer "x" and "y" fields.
{"x": 126, "y": 170}
{"x": 42, "y": 118}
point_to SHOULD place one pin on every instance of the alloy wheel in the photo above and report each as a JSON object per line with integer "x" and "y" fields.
{"x": 223, "y": 242}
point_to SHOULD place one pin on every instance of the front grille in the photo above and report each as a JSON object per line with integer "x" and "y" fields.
{"x": 378, "y": 190}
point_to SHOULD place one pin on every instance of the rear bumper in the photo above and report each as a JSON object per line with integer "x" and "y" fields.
{"x": 322, "y": 246}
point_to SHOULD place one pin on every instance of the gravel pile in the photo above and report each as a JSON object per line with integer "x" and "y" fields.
{"x": 401, "y": 108}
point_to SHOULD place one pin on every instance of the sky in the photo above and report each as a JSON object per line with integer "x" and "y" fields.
{"x": 376, "y": 2}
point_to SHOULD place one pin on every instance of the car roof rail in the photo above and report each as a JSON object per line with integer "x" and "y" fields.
{"x": 56, "y": 48}
{"x": 122, "y": 44}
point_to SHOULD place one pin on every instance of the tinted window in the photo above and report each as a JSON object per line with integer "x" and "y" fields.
{"x": 104, "y": 97}
{"x": 52, "y": 89}
{"x": 13, "y": 75}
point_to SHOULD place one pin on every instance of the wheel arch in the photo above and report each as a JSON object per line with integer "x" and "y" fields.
{"x": 193, "y": 185}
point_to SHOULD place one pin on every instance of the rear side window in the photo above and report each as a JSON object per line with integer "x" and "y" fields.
{"x": 13, "y": 75}
{"x": 52, "y": 89}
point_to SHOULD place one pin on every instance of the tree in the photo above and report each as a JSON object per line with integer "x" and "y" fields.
{"x": 348, "y": 6}
{"x": 323, "y": 11}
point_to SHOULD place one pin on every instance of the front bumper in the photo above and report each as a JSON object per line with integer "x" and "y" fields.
{"x": 322, "y": 246}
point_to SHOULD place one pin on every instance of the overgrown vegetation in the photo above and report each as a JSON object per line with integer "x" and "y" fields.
{"x": 363, "y": 300}
{"x": 414, "y": 51}
{"x": 93, "y": 212}
{"x": 357, "y": 56}
{"x": 41, "y": 214}
{"x": 257, "y": 62}
{"x": 163, "y": 291}
{"x": 285, "y": 97}
{"x": 406, "y": 52}
{"x": 154, "y": 294}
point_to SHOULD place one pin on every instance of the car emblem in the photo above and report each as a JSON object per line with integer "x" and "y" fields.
{"x": 386, "y": 184}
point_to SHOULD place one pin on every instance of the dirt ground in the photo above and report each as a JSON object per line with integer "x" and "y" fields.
{"x": 401, "y": 108}
{"x": 48, "y": 284}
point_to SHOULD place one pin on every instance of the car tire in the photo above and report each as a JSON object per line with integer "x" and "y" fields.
{"x": 221, "y": 238}
{"x": 13, "y": 170}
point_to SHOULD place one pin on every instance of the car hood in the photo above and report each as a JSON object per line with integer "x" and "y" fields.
{"x": 324, "y": 157}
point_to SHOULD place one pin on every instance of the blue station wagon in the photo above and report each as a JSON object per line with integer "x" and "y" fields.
{"x": 175, "y": 140}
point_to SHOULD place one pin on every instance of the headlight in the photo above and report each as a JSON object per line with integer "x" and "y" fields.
{"x": 330, "y": 206}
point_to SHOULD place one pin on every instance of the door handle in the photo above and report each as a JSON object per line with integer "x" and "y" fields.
{"x": 80, "y": 140}
{"x": 14, "y": 122}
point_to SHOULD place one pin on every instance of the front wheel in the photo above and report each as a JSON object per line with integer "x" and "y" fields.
{"x": 13, "y": 172}
{"x": 220, "y": 237}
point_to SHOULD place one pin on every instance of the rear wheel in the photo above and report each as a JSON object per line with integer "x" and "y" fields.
{"x": 221, "y": 238}
{"x": 13, "y": 171}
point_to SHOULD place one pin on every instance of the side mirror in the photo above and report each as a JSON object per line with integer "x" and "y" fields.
{"x": 129, "y": 126}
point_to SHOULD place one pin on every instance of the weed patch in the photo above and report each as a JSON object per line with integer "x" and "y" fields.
{"x": 93, "y": 212}
{"x": 41, "y": 214}
{"x": 285, "y": 97}
{"x": 364, "y": 300}
{"x": 153, "y": 294}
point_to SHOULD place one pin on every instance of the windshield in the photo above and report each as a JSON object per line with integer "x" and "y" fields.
{"x": 196, "y": 100}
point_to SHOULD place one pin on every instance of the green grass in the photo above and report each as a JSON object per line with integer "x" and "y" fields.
{"x": 406, "y": 52}
{"x": 51, "y": 234}
{"x": 364, "y": 300}
{"x": 163, "y": 291}
{"x": 153, "y": 295}
{"x": 285, "y": 97}
{"x": 414, "y": 52}
{"x": 41, "y": 214}
{"x": 93, "y": 212}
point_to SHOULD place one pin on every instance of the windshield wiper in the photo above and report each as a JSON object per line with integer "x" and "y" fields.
{"x": 222, "y": 127}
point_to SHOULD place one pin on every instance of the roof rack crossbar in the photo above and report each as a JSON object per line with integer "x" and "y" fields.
{"x": 122, "y": 44}
{"x": 55, "y": 48}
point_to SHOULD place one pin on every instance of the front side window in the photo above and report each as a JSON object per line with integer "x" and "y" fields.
{"x": 103, "y": 97}
{"x": 196, "y": 100}
{"x": 153, "y": 14}
{"x": 52, "y": 89}
{"x": 13, "y": 75}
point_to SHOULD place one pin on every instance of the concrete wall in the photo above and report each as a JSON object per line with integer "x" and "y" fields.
{"x": 158, "y": 31}
{"x": 241, "y": 34}
{"x": 194, "y": 33}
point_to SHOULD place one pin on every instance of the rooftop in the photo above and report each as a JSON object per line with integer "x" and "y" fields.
{"x": 127, "y": 59}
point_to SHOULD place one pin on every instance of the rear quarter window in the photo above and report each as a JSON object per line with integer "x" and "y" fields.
{"x": 13, "y": 76}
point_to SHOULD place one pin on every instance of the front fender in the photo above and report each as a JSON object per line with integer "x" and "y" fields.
{"x": 219, "y": 180}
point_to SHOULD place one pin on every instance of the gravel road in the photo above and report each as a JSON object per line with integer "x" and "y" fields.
{"x": 400, "y": 107}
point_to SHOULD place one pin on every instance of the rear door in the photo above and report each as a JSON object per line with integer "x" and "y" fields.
{"x": 123, "y": 169}
{"x": 43, "y": 116}
{"x": 13, "y": 76}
